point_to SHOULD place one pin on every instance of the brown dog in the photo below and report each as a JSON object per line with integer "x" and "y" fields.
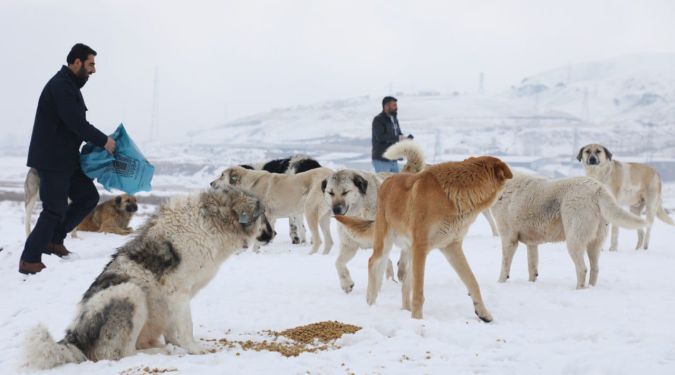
{"x": 111, "y": 216}
{"x": 430, "y": 209}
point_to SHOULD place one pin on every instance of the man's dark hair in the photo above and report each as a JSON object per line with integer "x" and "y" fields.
{"x": 79, "y": 51}
{"x": 388, "y": 99}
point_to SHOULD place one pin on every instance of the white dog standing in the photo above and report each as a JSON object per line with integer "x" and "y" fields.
{"x": 144, "y": 293}
{"x": 534, "y": 210}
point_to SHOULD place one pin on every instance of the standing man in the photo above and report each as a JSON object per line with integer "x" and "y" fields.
{"x": 386, "y": 132}
{"x": 59, "y": 129}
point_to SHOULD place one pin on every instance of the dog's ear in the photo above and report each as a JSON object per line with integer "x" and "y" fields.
{"x": 609, "y": 154}
{"x": 118, "y": 200}
{"x": 248, "y": 213}
{"x": 581, "y": 153}
{"x": 502, "y": 171}
{"x": 324, "y": 183}
{"x": 234, "y": 178}
{"x": 259, "y": 210}
{"x": 246, "y": 208}
{"x": 360, "y": 183}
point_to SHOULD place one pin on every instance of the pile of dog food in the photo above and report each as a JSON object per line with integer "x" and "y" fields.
{"x": 292, "y": 342}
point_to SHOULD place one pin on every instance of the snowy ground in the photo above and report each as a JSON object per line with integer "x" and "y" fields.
{"x": 622, "y": 326}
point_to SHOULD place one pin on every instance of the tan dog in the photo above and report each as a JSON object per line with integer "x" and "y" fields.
{"x": 111, "y": 216}
{"x": 414, "y": 156}
{"x": 632, "y": 184}
{"x": 534, "y": 210}
{"x": 431, "y": 209}
{"x": 284, "y": 195}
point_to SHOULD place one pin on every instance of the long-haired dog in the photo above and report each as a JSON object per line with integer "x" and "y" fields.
{"x": 143, "y": 295}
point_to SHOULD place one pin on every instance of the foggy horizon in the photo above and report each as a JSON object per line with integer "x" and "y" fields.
{"x": 221, "y": 61}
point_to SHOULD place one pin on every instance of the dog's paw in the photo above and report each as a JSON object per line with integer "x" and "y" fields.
{"x": 371, "y": 296}
{"x": 348, "y": 286}
{"x": 484, "y": 316}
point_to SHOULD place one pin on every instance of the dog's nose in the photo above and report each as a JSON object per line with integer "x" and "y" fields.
{"x": 592, "y": 160}
{"x": 132, "y": 208}
{"x": 338, "y": 210}
{"x": 212, "y": 184}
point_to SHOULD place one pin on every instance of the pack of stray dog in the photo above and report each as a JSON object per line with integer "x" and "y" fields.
{"x": 141, "y": 300}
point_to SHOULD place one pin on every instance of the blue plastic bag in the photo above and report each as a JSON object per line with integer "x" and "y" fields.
{"x": 126, "y": 170}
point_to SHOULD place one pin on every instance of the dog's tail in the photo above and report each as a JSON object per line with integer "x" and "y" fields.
{"x": 42, "y": 352}
{"x": 663, "y": 215}
{"x": 611, "y": 211}
{"x": 411, "y": 151}
{"x": 359, "y": 228}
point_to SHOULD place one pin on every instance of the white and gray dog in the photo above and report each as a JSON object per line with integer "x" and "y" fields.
{"x": 144, "y": 293}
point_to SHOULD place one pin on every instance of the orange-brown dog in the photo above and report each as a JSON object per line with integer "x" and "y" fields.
{"x": 430, "y": 209}
{"x": 112, "y": 216}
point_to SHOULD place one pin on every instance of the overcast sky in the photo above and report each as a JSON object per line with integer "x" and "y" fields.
{"x": 220, "y": 60}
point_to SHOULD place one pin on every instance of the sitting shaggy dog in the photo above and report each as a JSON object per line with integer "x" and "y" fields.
{"x": 144, "y": 293}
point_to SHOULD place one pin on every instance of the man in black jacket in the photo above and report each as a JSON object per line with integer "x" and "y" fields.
{"x": 386, "y": 132}
{"x": 58, "y": 131}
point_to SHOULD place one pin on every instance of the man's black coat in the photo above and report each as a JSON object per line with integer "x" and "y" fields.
{"x": 61, "y": 125}
{"x": 385, "y": 134}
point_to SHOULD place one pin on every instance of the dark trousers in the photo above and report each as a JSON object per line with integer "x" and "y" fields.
{"x": 58, "y": 217}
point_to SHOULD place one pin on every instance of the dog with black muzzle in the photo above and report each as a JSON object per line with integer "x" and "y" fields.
{"x": 632, "y": 184}
{"x": 354, "y": 193}
{"x": 111, "y": 216}
{"x": 141, "y": 300}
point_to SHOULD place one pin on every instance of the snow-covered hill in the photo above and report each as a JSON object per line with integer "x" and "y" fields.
{"x": 627, "y": 103}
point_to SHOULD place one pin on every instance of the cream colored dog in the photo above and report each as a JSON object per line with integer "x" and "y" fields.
{"x": 354, "y": 193}
{"x": 534, "y": 210}
{"x": 632, "y": 184}
{"x": 285, "y": 195}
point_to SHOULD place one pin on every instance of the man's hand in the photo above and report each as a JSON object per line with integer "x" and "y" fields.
{"x": 110, "y": 146}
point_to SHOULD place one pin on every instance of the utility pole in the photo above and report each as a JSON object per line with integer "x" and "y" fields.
{"x": 481, "y": 82}
{"x": 585, "y": 108}
{"x": 154, "y": 120}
